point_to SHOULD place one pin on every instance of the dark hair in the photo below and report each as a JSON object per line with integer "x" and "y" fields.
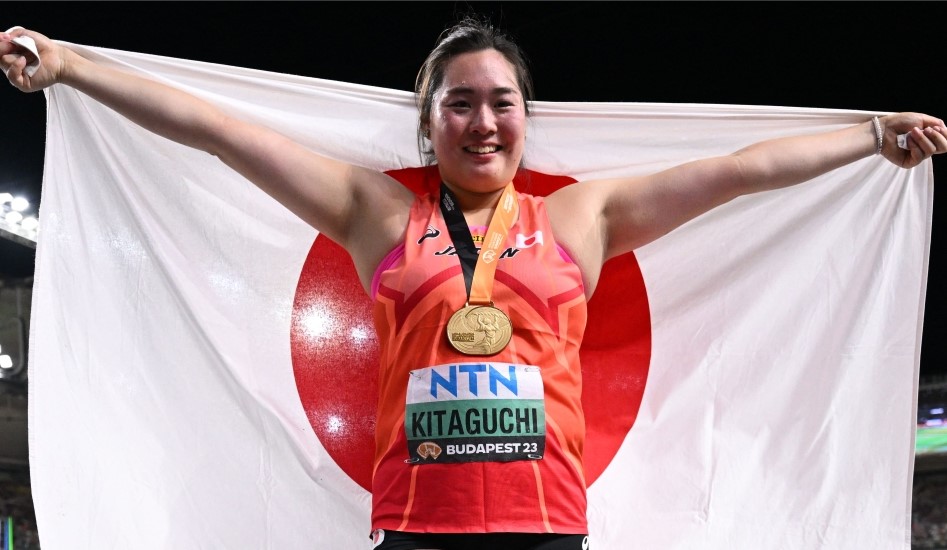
{"x": 469, "y": 35}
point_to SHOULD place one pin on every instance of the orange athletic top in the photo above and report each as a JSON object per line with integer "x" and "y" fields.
{"x": 476, "y": 444}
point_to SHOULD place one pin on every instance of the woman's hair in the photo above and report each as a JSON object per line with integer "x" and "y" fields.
{"x": 469, "y": 35}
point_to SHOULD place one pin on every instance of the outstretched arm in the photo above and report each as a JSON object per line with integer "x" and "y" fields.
{"x": 336, "y": 198}
{"x": 619, "y": 215}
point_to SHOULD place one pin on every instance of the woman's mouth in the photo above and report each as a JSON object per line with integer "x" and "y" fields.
{"x": 482, "y": 149}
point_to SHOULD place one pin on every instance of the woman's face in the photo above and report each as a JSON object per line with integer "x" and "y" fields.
{"x": 478, "y": 122}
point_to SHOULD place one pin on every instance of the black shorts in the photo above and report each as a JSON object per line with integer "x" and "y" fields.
{"x": 399, "y": 540}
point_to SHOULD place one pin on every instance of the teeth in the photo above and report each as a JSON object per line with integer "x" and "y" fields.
{"x": 482, "y": 149}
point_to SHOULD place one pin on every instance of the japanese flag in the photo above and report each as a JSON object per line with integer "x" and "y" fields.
{"x": 203, "y": 362}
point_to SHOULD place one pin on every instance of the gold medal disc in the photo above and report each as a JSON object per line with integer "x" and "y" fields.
{"x": 479, "y": 330}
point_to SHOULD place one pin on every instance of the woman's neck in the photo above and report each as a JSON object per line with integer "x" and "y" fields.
{"x": 477, "y": 207}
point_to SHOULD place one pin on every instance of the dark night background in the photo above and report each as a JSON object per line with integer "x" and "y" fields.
{"x": 847, "y": 55}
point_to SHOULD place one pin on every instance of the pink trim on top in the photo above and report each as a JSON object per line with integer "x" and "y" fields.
{"x": 390, "y": 259}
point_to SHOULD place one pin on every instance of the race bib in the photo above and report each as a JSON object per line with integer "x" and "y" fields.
{"x": 475, "y": 412}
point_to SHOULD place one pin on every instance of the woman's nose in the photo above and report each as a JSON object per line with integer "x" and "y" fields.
{"x": 484, "y": 121}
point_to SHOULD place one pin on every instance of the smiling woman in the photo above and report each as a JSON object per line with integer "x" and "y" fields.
{"x": 477, "y": 130}
{"x": 416, "y": 255}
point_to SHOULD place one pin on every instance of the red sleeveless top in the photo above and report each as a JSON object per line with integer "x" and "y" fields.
{"x": 477, "y": 444}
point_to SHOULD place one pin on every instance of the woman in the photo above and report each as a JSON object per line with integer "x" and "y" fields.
{"x": 471, "y": 325}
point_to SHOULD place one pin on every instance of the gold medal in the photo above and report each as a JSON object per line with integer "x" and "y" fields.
{"x": 479, "y": 330}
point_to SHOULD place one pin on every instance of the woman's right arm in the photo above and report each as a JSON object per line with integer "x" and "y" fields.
{"x": 345, "y": 202}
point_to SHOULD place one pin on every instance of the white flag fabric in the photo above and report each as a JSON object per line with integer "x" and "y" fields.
{"x": 179, "y": 314}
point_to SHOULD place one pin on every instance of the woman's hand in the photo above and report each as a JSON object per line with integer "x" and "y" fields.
{"x": 15, "y": 58}
{"x": 926, "y": 136}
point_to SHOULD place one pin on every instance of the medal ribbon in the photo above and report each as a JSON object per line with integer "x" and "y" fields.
{"x": 479, "y": 270}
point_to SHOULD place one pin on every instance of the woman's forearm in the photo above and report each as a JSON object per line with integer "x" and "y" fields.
{"x": 782, "y": 162}
{"x": 787, "y": 161}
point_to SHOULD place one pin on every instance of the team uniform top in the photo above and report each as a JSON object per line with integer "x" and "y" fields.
{"x": 474, "y": 444}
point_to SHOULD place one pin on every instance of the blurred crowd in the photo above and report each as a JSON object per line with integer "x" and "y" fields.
{"x": 16, "y": 501}
{"x": 929, "y": 511}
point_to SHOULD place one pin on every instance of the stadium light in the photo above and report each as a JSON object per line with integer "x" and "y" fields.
{"x": 19, "y": 204}
{"x": 17, "y": 223}
{"x": 12, "y": 348}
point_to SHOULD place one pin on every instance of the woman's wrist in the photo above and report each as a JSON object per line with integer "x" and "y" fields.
{"x": 879, "y": 132}
{"x": 70, "y": 67}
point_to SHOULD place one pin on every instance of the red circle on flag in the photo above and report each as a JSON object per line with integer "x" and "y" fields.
{"x": 335, "y": 352}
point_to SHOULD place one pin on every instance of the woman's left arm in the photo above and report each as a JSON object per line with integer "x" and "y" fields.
{"x": 611, "y": 217}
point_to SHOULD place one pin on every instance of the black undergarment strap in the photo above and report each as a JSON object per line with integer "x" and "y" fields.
{"x": 459, "y": 234}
